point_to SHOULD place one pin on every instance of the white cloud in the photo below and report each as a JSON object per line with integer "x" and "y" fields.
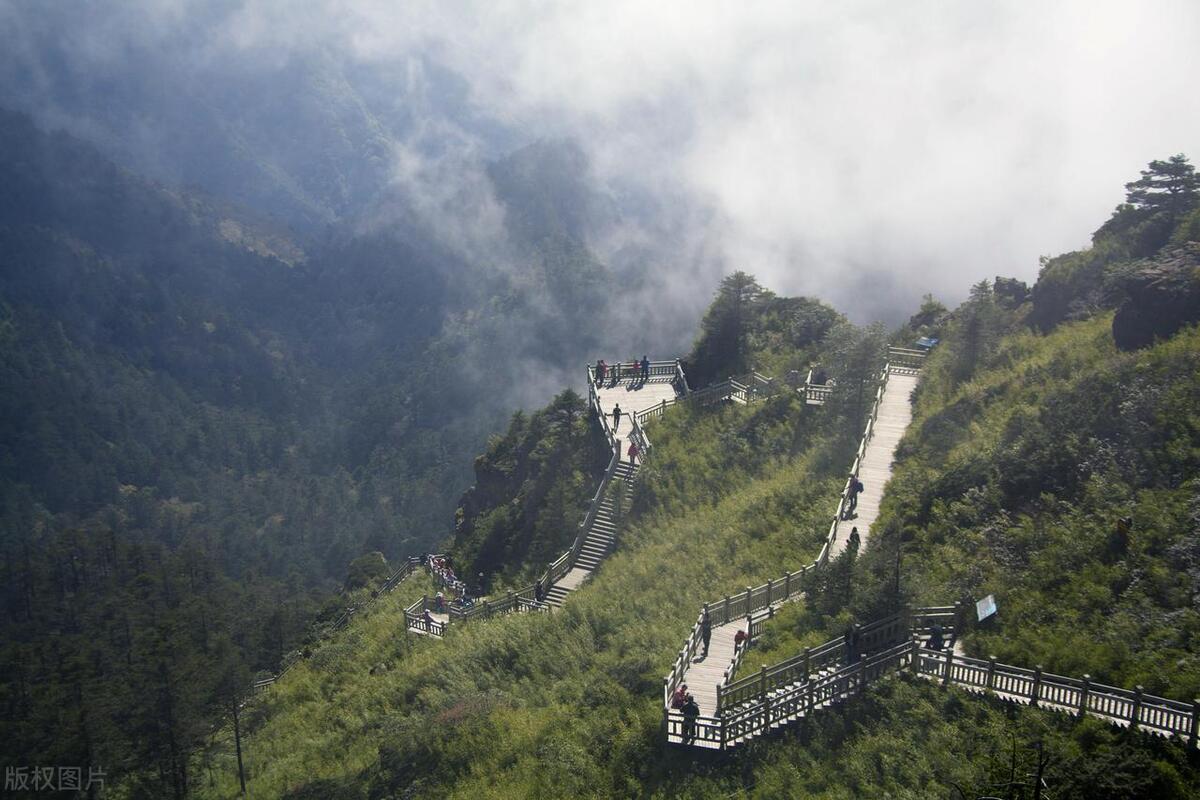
{"x": 934, "y": 143}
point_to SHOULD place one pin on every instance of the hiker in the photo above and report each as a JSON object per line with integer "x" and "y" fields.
{"x": 853, "y": 542}
{"x": 937, "y": 638}
{"x": 645, "y": 369}
{"x": 1118, "y": 540}
{"x": 740, "y": 638}
{"x": 633, "y": 452}
{"x": 439, "y": 602}
{"x": 601, "y": 368}
{"x": 690, "y": 712}
{"x": 852, "y": 490}
{"x": 428, "y": 618}
{"x": 851, "y": 637}
{"x": 705, "y": 631}
{"x": 616, "y": 412}
{"x": 538, "y": 593}
{"x": 679, "y": 697}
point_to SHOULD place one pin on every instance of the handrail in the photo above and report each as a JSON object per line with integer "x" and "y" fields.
{"x": 829, "y": 681}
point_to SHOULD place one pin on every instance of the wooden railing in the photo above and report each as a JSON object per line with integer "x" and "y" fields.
{"x": 816, "y": 393}
{"x": 824, "y": 675}
{"x": 878, "y": 635}
{"x": 833, "y": 672}
{"x": 906, "y": 360}
{"x": 1056, "y": 692}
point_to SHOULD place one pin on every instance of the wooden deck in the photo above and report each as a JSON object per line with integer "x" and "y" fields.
{"x": 633, "y": 397}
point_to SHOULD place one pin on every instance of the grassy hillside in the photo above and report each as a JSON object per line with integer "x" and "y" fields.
{"x": 566, "y": 704}
{"x": 1014, "y": 483}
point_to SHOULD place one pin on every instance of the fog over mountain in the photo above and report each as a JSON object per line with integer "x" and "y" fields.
{"x": 863, "y": 152}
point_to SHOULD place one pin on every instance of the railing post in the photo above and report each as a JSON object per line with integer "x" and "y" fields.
{"x": 1194, "y": 734}
{"x": 748, "y": 590}
{"x": 487, "y": 611}
{"x": 787, "y": 585}
{"x": 949, "y": 666}
{"x": 915, "y": 666}
{"x": 1137, "y": 708}
{"x": 768, "y": 592}
{"x": 1084, "y": 691}
{"x": 991, "y": 673}
{"x": 726, "y": 608}
{"x": 766, "y": 698}
{"x": 807, "y": 659}
{"x": 1037, "y": 684}
{"x": 862, "y": 675}
{"x": 719, "y": 689}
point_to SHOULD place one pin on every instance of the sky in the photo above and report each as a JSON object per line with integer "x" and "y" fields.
{"x": 862, "y": 152}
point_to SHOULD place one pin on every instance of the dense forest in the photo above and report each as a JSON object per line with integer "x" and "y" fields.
{"x": 205, "y": 418}
{"x": 1032, "y": 439}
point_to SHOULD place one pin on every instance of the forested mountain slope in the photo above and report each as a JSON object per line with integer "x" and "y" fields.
{"x": 203, "y": 421}
{"x": 1027, "y": 449}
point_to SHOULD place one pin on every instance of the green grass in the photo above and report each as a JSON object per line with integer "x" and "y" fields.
{"x": 569, "y": 704}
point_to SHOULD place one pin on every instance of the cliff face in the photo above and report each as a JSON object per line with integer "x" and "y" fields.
{"x": 1162, "y": 296}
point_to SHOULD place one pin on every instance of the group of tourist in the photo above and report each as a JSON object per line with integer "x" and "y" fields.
{"x": 683, "y": 702}
{"x": 637, "y": 371}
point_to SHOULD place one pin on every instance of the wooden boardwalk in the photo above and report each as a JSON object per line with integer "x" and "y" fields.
{"x": 632, "y": 395}
{"x": 705, "y": 674}
{"x": 875, "y": 470}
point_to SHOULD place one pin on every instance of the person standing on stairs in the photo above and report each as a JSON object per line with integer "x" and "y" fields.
{"x": 690, "y": 712}
{"x": 633, "y": 452}
{"x": 616, "y": 414}
{"x": 601, "y": 368}
{"x": 705, "y": 631}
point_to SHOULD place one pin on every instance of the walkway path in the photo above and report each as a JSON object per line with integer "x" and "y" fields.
{"x": 875, "y": 469}
{"x": 703, "y": 675}
{"x": 633, "y": 396}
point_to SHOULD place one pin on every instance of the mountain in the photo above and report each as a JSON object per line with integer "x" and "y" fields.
{"x": 1050, "y": 468}
{"x": 205, "y": 419}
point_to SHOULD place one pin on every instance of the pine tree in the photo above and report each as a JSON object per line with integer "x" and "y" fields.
{"x": 725, "y": 330}
{"x": 1170, "y": 186}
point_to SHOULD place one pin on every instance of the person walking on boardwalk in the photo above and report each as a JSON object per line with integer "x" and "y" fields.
{"x": 690, "y": 712}
{"x": 601, "y": 369}
{"x": 937, "y": 638}
{"x": 616, "y": 414}
{"x": 705, "y": 631}
{"x": 852, "y": 489}
{"x": 853, "y": 542}
{"x": 645, "y": 369}
{"x": 633, "y": 452}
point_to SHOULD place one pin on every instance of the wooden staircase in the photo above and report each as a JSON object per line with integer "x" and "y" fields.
{"x": 599, "y": 541}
